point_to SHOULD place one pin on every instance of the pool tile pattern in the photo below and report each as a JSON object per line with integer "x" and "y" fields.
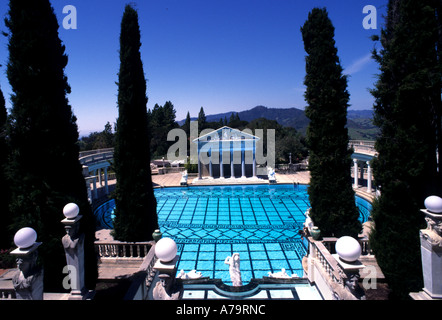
{"x": 259, "y": 222}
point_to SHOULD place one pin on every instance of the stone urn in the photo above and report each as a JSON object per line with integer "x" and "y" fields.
{"x": 315, "y": 233}
{"x": 156, "y": 235}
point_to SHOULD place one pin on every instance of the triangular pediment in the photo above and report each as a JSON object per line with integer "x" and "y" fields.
{"x": 227, "y": 134}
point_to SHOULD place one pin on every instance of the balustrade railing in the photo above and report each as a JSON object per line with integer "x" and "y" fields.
{"x": 322, "y": 251}
{"x": 363, "y": 145}
{"x": 90, "y": 152}
{"x": 328, "y": 263}
{"x": 96, "y": 157}
{"x": 7, "y": 294}
{"x": 329, "y": 243}
{"x": 139, "y": 290}
{"x": 122, "y": 250}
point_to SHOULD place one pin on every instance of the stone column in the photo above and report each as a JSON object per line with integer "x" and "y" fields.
{"x": 221, "y": 163}
{"x": 254, "y": 161}
{"x": 87, "y": 180}
{"x": 94, "y": 182}
{"x": 243, "y": 160}
{"x": 355, "y": 173}
{"x": 369, "y": 177}
{"x": 89, "y": 191}
{"x": 99, "y": 177}
{"x": 28, "y": 281}
{"x": 106, "y": 183}
{"x": 232, "y": 166}
{"x": 200, "y": 174}
{"x": 210, "y": 164}
{"x": 73, "y": 243}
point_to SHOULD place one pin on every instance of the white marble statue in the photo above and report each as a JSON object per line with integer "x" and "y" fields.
{"x": 271, "y": 174}
{"x": 234, "y": 269}
{"x": 160, "y": 293}
{"x": 184, "y": 176}
{"x": 282, "y": 274}
{"x": 28, "y": 281}
{"x": 308, "y": 223}
{"x": 190, "y": 275}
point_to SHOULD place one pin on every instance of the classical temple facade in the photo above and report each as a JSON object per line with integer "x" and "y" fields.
{"x": 227, "y": 153}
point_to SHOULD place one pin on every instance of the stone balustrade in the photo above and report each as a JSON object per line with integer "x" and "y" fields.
{"x": 122, "y": 250}
{"x": 363, "y": 146}
{"x": 96, "y": 157}
{"x": 335, "y": 280}
{"x": 7, "y": 294}
{"x": 141, "y": 284}
{"x": 329, "y": 243}
{"x": 327, "y": 262}
{"x": 90, "y": 152}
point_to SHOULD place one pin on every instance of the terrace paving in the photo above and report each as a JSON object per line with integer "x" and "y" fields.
{"x": 173, "y": 180}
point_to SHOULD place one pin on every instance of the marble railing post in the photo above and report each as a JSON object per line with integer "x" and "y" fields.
{"x": 28, "y": 281}
{"x": 73, "y": 243}
{"x": 431, "y": 253}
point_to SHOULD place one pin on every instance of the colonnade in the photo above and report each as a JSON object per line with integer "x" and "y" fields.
{"x": 99, "y": 175}
{"x": 233, "y": 142}
{"x": 356, "y": 172}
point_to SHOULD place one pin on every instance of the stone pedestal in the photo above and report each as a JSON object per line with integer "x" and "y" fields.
{"x": 165, "y": 280}
{"x": 352, "y": 272}
{"x": 431, "y": 253}
{"x": 28, "y": 281}
{"x": 73, "y": 243}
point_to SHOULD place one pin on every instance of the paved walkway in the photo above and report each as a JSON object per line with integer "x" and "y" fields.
{"x": 173, "y": 180}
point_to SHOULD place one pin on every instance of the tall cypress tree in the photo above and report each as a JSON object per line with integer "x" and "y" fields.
{"x": 5, "y": 234}
{"x": 136, "y": 216}
{"x": 202, "y": 121}
{"x": 186, "y": 125}
{"x": 407, "y": 109}
{"x": 331, "y": 195}
{"x": 44, "y": 167}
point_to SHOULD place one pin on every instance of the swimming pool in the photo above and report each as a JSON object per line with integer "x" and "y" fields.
{"x": 260, "y": 222}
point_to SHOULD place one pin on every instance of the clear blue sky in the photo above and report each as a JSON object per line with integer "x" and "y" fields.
{"x": 223, "y": 55}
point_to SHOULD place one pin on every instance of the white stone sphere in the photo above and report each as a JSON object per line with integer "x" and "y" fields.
{"x": 25, "y": 238}
{"x": 166, "y": 249}
{"x": 348, "y": 249}
{"x": 433, "y": 204}
{"x": 71, "y": 210}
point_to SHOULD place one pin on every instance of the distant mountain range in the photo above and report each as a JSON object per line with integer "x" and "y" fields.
{"x": 359, "y": 122}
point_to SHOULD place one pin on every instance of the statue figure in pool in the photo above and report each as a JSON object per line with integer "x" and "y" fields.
{"x": 235, "y": 273}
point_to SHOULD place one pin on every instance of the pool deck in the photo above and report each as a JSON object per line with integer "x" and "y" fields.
{"x": 173, "y": 180}
{"x": 300, "y": 177}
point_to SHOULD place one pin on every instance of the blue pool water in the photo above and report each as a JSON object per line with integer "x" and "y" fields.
{"x": 260, "y": 222}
